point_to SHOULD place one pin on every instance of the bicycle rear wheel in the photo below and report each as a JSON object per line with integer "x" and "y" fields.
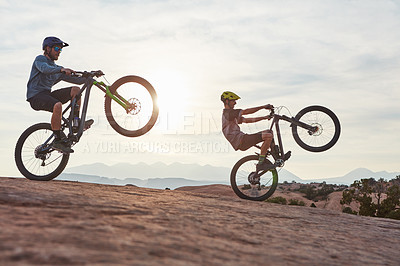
{"x": 250, "y": 185}
{"x": 143, "y": 99}
{"x": 35, "y": 158}
{"x": 328, "y": 129}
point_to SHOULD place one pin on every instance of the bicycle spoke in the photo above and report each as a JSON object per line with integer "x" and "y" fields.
{"x": 141, "y": 110}
{"x": 323, "y": 135}
{"x": 250, "y": 184}
{"x": 33, "y": 158}
{"x": 327, "y": 127}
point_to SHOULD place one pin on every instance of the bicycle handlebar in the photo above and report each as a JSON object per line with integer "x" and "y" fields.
{"x": 271, "y": 113}
{"x": 86, "y": 74}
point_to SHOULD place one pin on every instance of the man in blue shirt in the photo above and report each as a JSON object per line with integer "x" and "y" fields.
{"x": 44, "y": 75}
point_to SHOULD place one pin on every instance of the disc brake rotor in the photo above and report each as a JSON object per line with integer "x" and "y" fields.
{"x": 318, "y": 129}
{"x": 134, "y": 106}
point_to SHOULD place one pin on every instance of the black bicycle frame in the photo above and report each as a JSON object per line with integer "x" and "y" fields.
{"x": 293, "y": 122}
{"x": 275, "y": 122}
{"x": 87, "y": 86}
{"x": 68, "y": 123}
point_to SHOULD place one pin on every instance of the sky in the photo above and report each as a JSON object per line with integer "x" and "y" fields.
{"x": 342, "y": 54}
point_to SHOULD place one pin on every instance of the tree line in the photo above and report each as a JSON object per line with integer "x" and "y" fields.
{"x": 377, "y": 198}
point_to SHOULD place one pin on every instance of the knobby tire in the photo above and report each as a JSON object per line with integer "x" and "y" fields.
{"x": 110, "y": 116}
{"x": 272, "y": 175}
{"x": 33, "y": 161}
{"x": 331, "y": 132}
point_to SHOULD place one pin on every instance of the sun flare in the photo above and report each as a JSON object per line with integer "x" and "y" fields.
{"x": 172, "y": 91}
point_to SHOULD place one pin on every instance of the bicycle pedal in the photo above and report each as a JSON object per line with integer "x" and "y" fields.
{"x": 88, "y": 124}
{"x": 287, "y": 156}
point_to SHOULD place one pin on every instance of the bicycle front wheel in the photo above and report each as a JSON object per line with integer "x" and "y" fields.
{"x": 327, "y": 133}
{"x": 143, "y": 112}
{"x": 35, "y": 158}
{"x": 250, "y": 185}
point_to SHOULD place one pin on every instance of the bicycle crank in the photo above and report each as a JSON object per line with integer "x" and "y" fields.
{"x": 254, "y": 178}
{"x": 279, "y": 163}
{"x": 40, "y": 153}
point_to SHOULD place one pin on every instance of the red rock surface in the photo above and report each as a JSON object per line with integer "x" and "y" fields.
{"x": 69, "y": 223}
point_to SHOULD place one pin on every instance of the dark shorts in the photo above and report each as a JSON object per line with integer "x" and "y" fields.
{"x": 46, "y": 100}
{"x": 249, "y": 140}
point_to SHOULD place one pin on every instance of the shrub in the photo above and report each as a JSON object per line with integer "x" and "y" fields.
{"x": 348, "y": 210}
{"x": 313, "y": 205}
{"x": 312, "y": 193}
{"x": 394, "y": 214}
{"x": 246, "y": 186}
{"x": 296, "y": 202}
{"x": 278, "y": 200}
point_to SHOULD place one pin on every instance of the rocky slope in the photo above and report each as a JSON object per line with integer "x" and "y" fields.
{"x": 60, "y": 222}
{"x": 331, "y": 203}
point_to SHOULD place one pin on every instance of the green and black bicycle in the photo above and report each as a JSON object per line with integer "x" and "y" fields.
{"x": 130, "y": 107}
{"x": 315, "y": 128}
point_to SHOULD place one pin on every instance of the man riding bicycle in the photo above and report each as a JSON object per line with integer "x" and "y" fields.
{"x": 231, "y": 118}
{"x": 44, "y": 75}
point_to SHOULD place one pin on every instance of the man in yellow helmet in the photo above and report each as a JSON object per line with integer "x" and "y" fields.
{"x": 231, "y": 118}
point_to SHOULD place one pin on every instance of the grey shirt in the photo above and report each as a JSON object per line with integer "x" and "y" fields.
{"x": 45, "y": 74}
{"x": 231, "y": 118}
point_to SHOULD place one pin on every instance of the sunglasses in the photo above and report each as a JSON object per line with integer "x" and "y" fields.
{"x": 57, "y": 49}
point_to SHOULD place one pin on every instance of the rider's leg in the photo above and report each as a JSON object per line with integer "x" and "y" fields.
{"x": 56, "y": 119}
{"x": 58, "y": 143}
{"x": 267, "y": 137}
{"x": 74, "y": 91}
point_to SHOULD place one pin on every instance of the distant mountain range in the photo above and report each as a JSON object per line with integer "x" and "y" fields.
{"x": 156, "y": 170}
{"x": 159, "y": 183}
{"x": 161, "y": 176}
{"x": 358, "y": 174}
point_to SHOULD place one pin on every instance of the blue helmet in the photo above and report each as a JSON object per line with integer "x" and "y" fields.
{"x": 52, "y": 41}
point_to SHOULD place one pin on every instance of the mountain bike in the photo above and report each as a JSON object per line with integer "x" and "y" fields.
{"x": 131, "y": 110}
{"x": 314, "y": 128}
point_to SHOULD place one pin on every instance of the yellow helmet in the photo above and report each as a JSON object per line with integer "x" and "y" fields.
{"x": 228, "y": 95}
